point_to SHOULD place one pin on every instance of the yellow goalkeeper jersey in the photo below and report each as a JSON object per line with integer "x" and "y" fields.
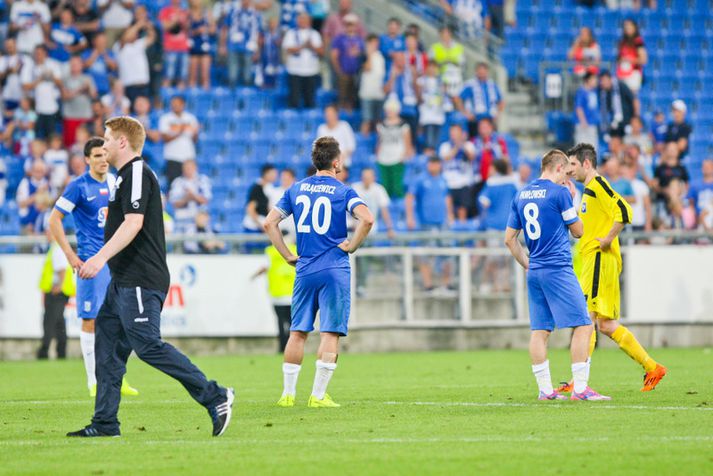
{"x": 601, "y": 207}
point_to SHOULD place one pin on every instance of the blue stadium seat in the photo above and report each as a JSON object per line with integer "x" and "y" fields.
{"x": 690, "y": 65}
{"x": 698, "y": 24}
{"x": 677, "y": 24}
{"x": 325, "y": 98}
{"x": 509, "y": 59}
{"x": 694, "y": 43}
{"x": 244, "y": 124}
{"x": 537, "y": 43}
{"x": 516, "y": 41}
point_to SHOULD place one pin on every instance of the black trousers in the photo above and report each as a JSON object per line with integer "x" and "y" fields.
{"x": 54, "y": 326}
{"x": 130, "y": 319}
{"x": 132, "y": 92}
{"x": 284, "y": 321}
{"x": 174, "y": 169}
{"x": 302, "y": 88}
{"x": 46, "y": 125}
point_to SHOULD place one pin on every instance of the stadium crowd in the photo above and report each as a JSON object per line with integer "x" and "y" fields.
{"x": 647, "y": 166}
{"x": 440, "y": 161}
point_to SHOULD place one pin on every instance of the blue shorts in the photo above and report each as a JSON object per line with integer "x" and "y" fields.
{"x": 556, "y": 299}
{"x": 328, "y": 292}
{"x": 91, "y": 293}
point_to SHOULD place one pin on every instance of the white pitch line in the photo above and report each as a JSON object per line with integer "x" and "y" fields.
{"x": 61, "y": 441}
{"x": 550, "y": 405}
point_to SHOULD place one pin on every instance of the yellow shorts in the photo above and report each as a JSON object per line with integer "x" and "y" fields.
{"x": 599, "y": 279}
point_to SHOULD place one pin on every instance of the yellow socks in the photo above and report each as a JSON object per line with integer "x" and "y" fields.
{"x": 592, "y": 342}
{"x": 628, "y": 343}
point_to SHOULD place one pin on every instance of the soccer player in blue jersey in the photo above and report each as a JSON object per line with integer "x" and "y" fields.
{"x": 545, "y": 211}
{"x": 319, "y": 204}
{"x": 87, "y": 199}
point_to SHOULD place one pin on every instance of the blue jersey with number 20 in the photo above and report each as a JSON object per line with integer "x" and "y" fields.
{"x": 319, "y": 205}
{"x": 544, "y": 210}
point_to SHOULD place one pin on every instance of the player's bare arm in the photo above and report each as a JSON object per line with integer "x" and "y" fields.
{"x": 272, "y": 229}
{"x": 516, "y": 249}
{"x": 577, "y": 229}
{"x": 364, "y": 224}
{"x": 57, "y": 229}
{"x": 125, "y": 234}
{"x": 605, "y": 243}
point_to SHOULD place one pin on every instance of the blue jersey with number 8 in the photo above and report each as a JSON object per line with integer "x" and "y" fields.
{"x": 544, "y": 210}
{"x": 319, "y": 205}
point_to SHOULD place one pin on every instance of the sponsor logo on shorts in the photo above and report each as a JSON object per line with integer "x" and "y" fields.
{"x": 87, "y": 306}
{"x": 141, "y": 319}
{"x": 135, "y": 205}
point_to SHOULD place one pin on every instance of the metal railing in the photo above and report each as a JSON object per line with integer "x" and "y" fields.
{"x": 453, "y": 238}
{"x": 570, "y": 82}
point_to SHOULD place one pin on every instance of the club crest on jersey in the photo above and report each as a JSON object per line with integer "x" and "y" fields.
{"x": 101, "y": 216}
{"x": 584, "y": 207}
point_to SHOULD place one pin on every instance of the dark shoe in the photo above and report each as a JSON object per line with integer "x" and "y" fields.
{"x": 221, "y": 413}
{"x": 90, "y": 432}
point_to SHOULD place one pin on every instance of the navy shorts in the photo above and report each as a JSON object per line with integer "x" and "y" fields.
{"x": 91, "y": 294}
{"x": 329, "y": 292}
{"x": 556, "y": 299}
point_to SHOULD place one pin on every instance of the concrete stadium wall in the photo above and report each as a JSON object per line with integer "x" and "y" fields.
{"x": 413, "y": 339}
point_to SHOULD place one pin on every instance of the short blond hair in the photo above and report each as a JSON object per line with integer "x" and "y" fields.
{"x": 552, "y": 158}
{"x": 129, "y": 127}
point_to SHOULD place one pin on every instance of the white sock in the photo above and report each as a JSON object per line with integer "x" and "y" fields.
{"x": 542, "y": 375}
{"x": 86, "y": 342}
{"x": 321, "y": 378}
{"x": 580, "y": 375}
{"x": 290, "y": 373}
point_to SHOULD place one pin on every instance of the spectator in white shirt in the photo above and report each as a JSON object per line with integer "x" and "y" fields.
{"x": 304, "y": 48}
{"x": 43, "y": 78}
{"x": 115, "y": 103}
{"x": 376, "y": 198}
{"x": 27, "y": 192}
{"x": 3, "y": 181}
{"x": 78, "y": 90}
{"x": 641, "y": 215}
{"x": 341, "y": 131}
{"x": 190, "y": 193}
{"x": 56, "y": 158}
{"x": 432, "y": 106}
{"x": 458, "y": 155}
{"x": 30, "y": 20}
{"x": 371, "y": 85}
{"x": 11, "y": 64}
{"x": 179, "y": 131}
{"x": 131, "y": 56}
{"x": 274, "y": 194}
{"x": 117, "y": 15}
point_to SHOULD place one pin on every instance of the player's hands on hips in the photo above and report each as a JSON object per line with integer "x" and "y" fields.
{"x": 604, "y": 243}
{"x": 344, "y": 246}
{"x": 292, "y": 260}
{"x": 92, "y": 267}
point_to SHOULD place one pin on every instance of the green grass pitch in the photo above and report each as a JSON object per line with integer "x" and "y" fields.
{"x": 425, "y": 413}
